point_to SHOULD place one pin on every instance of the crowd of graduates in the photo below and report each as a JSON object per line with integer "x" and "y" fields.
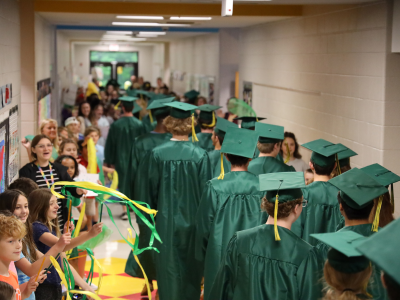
{"x": 240, "y": 214}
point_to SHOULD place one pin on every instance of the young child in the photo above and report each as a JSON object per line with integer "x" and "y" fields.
{"x": 309, "y": 176}
{"x": 94, "y": 133}
{"x": 25, "y": 185}
{"x": 14, "y": 201}
{"x": 7, "y": 292}
{"x": 12, "y": 232}
{"x": 43, "y": 208}
{"x": 73, "y": 126}
{"x": 70, "y": 147}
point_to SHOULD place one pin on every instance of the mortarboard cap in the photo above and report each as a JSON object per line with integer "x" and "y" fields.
{"x": 137, "y": 108}
{"x": 382, "y": 249}
{"x": 323, "y": 152}
{"x": 127, "y": 99}
{"x": 239, "y": 141}
{"x": 269, "y": 133}
{"x": 157, "y": 107}
{"x": 222, "y": 126}
{"x": 181, "y": 110}
{"x": 384, "y": 176}
{"x": 207, "y": 113}
{"x": 281, "y": 187}
{"x": 344, "y": 157}
{"x": 343, "y": 255}
{"x": 191, "y": 95}
{"x": 249, "y": 122}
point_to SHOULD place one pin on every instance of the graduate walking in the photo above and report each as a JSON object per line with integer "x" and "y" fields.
{"x": 207, "y": 121}
{"x": 177, "y": 174}
{"x": 229, "y": 203}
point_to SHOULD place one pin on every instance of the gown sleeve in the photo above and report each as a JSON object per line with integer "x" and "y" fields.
{"x": 130, "y": 176}
{"x": 204, "y": 220}
{"x": 109, "y": 151}
{"x": 308, "y": 277}
{"x": 224, "y": 283}
{"x": 205, "y": 173}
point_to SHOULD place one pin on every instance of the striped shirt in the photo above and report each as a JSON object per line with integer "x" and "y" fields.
{"x": 41, "y": 182}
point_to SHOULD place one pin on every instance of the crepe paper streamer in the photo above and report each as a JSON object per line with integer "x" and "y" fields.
{"x": 69, "y": 215}
{"x": 77, "y": 229}
{"x": 134, "y": 205}
{"x": 97, "y": 240}
{"x": 64, "y": 282}
{"x": 100, "y": 270}
{"x": 288, "y": 154}
{"x": 101, "y": 212}
{"x": 69, "y": 277}
{"x": 116, "y": 107}
{"x": 76, "y": 257}
{"x": 51, "y": 265}
{"x": 41, "y": 266}
{"x": 194, "y": 136}
{"x": 240, "y": 108}
{"x": 222, "y": 175}
{"x": 114, "y": 183}
{"x": 92, "y": 158}
{"x": 375, "y": 225}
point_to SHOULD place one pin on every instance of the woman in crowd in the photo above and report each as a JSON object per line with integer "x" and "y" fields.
{"x": 45, "y": 174}
{"x": 84, "y": 115}
{"x": 290, "y": 153}
{"x": 98, "y": 119}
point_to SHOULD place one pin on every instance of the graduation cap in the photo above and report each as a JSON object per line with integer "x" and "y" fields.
{"x": 324, "y": 153}
{"x": 181, "y": 110}
{"x": 157, "y": 107}
{"x": 191, "y": 95}
{"x": 269, "y": 133}
{"x": 281, "y": 187}
{"x": 384, "y": 177}
{"x": 382, "y": 249}
{"x": 343, "y": 255}
{"x": 125, "y": 100}
{"x": 137, "y": 108}
{"x": 113, "y": 82}
{"x": 222, "y": 127}
{"x": 142, "y": 93}
{"x": 358, "y": 190}
{"x": 344, "y": 156}
{"x": 249, "y": 122}
{"x": 207, "y": 113}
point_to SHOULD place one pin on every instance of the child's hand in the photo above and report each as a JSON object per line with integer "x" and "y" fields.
{"x": 26, "y": 143}
{"x": 69, "y": 226}
{"x": 96, "y": 229}
{"x": 65, "y": 239}
{"x": 99, "y": 182}
{"x": 81, "y": 192}
{"x": 32, "y": 285}
{"x": 42, "y": 276}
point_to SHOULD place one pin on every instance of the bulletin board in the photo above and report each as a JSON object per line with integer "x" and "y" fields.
{"x": 13, "y": 143}
{"x": 4, "y": 150}
{"x": 44, "y": 99}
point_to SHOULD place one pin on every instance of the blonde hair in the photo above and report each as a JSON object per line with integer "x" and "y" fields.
{"x": 45, "y": 122}
{"x": 350, "y": 284}
{"x": 179, "y": 126}
{"x": 10, "y": 226}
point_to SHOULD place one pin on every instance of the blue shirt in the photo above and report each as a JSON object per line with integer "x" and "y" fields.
{"x": 38, "y": 230}
{"x": 100, "y": 153}
{"x": 22, "y": 277}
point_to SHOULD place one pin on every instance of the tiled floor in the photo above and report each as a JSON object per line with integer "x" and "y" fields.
{"x": 112, "y": 255}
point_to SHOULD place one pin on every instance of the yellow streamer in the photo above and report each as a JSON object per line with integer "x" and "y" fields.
{"x": 375, "y": 225}
{"x": 116, "y": 107}
{"x": 114, "y": 183}
{"x": 222, "y": 175}
{"x": 92, "y": 158}
{"x": 288, "y": 153}
{"x": 95, "y": 186}
{"x": 277, "y": 237}
{"x": 100, "y": 271}
{"x": 132, "y": 241}
{"x": 194, "y": 136}
{"x": 78, "y": 225}
{"x": 213, "y": 121}
{"x": 151, "y": 117}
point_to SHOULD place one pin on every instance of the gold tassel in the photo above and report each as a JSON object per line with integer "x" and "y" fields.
{"x": 116, "y": 107}
{"x": 339, "y": 171}
{"x": 151, "y": 117}
{"x": 213, "y": 122}
{"x": 256, "y": 119}
{"x": 277, "y": 237}
{"x": 222, "y": 175}
{"x": 194, "y": 136}
{"x": 92, "y": 158}
{"x": 288, "y": 154}
{"x": 392, "y": 197}
{"x": 375, "y": 225}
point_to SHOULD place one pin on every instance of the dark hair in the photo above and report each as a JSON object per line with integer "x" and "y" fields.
{"x": 291, "y": 135}
{"x": 25, "y": 185}
{"x": 392, "y": 287}
{"x": 91, "y": 129}
{"x": 80, "y": 146}
{"x": 205, "y": 122}
{"x": 385, "y": 216}
{"x": 355, "y": 214}
{"x": 160, "y": 117}
{"x": 36, "y": 141}
{"x": 128, "y": 107}
{"x": 62, "y": 157}
{"x": 80, "y": 109}
{"x": 237, "y": 160}
{"x": 309, "y": 171}
{"x": 220, "y": 137}
{"x": 327, "y": 171}
{"x": 6, "y": 291}
{"x": 8, "y": 202}
{"x": 92, "y": 112}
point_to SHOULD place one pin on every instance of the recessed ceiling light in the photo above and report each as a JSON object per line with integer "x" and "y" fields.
{"x": 148, "y": 24}
{"x": 152, "y": 32}
{"x": 147, "y": 36}
{"x": 191, "y": 18}
{"x": 120, "y": 32}
{"x": 141, "y": 17}
{"x": 123, "y": 39}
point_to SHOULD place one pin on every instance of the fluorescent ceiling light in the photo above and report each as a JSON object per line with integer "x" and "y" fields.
{"x": 148, "y": 24}
{"x": 152, "y": 32}
{"x": 113, "y": 47}
{"x": 123, "y": 39}
{"x": 147, "y": 36}
{"x": 191, "y": 18}
{"x": 141, "y": 17}
{"x": 120, "y": 32}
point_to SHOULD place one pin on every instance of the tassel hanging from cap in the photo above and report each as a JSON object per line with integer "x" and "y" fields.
{"x": 288, "y": 153}
{"x": 277, "y": 237}
{"x": 375, "y": 224}
{"x": 392, "y": 197}
{"x": 116, "y": 107}
{"x": 339, "y": 171}
{"x": 194, "y": 136}
{"x": 151, "y": 117}
{"x": 213, "y": 122}
{"x": 222, "y": 175}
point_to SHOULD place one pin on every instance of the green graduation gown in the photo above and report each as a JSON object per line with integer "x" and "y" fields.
{"x": 268, "y": 164}
{"x": 177, "y": 173}
{"x": 321, "y": 215}
{"x": 215, "y": 161}
{"x": 227, "y": 206}
{"x": 119, "y": 144}
{"x": 257, "y": 267}
{"x": 205, "y": 141}
{"x": 148, "y": 126}
{"x": 375, "y": 287}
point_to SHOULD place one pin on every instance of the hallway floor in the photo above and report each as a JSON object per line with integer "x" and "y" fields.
{"x": 112, "y": 256}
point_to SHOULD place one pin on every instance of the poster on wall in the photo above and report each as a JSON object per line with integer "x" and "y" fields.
{"x": 44, "y": 99}
{"x": 13, "y": 155}
{"x": 3, "y": 151}
{"x": 248, "y": 92}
